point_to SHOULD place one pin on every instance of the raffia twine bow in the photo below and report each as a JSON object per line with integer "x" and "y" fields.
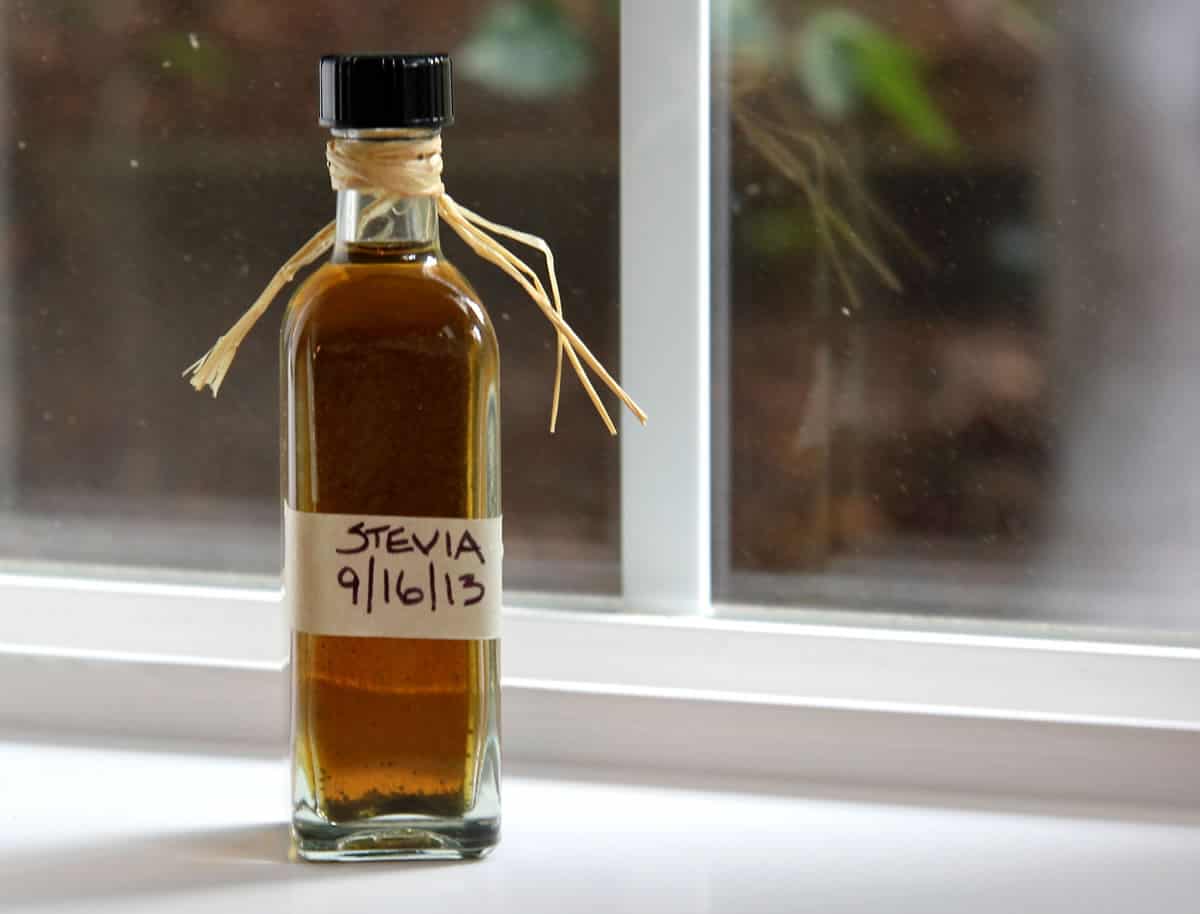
{"x": 408, "y": 169}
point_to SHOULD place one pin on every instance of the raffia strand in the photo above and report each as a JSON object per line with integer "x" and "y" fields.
{"x": 414, "y": 168}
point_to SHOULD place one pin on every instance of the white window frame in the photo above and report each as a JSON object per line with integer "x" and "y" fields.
{"x": 662, "y": 679}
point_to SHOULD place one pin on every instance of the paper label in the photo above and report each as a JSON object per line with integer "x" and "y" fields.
{"x": 393, "y": 577}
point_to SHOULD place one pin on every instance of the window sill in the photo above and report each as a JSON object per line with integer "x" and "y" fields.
{"x": 793, "y": 703}
{"x": 571, "y": 842}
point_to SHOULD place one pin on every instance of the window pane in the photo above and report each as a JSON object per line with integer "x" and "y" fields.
{"x": 160, "y": 159}
{"x": 955, "y": 321}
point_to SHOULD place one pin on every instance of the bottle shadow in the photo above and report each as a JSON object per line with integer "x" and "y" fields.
{"x": 161, "y": 864}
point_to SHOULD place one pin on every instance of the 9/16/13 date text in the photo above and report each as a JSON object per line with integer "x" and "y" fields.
{"x": 441, "y": 580}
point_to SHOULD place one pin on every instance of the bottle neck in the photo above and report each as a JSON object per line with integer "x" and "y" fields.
{"x": 408, "y": 229}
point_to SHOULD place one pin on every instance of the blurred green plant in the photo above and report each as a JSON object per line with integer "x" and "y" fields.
{"x": 845, "y": 65}
{"x": 779, "y": 231}
{"x": 813, "y": 163}
{"x": 844, "y": 61}
{"x": 191, "y": 57}
{"x": 753, "y": 32}
{"x": 527, "y": 50}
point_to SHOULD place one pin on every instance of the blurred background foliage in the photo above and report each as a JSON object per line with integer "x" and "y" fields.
{"x": 527, "y": 50}
{"x": 883, "y": 307}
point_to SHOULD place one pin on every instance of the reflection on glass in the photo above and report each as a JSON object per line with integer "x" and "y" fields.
{"x": 159, "y": 160}
{"x": 955, "y": 324}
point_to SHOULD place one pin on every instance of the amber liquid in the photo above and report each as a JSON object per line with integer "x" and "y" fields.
{"x": 391, "y": 375}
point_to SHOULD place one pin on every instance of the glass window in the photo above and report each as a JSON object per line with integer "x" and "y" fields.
{"x": 955, "y": 324}
{"x": 159, "y": 159}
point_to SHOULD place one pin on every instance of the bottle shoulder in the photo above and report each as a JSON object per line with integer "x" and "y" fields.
{"x": 423, "y": 296}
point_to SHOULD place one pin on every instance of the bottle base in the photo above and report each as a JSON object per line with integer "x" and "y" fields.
{"x": 381, "y": 840}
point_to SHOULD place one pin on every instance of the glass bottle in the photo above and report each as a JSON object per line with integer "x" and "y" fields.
{"x": 391, "y": 466}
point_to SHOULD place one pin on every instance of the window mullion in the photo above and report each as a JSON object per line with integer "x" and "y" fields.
{"x": 665, "y": 309}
